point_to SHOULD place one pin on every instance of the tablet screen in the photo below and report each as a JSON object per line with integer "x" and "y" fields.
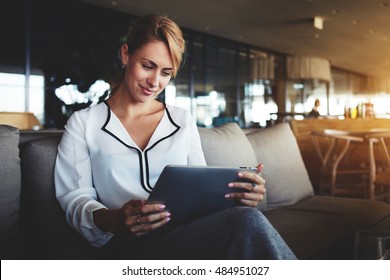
{"x": 190, "y": 192}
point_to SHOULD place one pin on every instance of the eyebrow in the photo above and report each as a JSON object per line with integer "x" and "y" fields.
{"x": 155, "y": 65}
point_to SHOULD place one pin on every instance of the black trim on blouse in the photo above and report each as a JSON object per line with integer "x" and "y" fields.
{"x": 145, "y": 185}
{"x": 166, "y": 137}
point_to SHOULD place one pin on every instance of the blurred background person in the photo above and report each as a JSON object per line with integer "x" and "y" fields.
{"x": 314, "y": 113}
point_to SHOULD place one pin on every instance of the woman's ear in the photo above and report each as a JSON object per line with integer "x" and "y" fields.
{"x": 124, "y": 54}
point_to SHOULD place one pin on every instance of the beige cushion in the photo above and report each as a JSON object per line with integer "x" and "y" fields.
{"x": 227, "y": 145}
{"x": 287, "y": 180}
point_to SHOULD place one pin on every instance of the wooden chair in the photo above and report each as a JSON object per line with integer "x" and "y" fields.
{"x": 332, "y": 147}
{"x": 379, "y": 184}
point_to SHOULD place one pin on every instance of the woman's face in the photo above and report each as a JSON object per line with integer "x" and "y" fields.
{"x": 148, "y": 70}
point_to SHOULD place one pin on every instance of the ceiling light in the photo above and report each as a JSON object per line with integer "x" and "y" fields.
{"x": 318, "y": 23}
{"x": 306, "y": 67}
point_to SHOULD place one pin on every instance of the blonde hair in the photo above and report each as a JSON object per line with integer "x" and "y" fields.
{"x": 156, "y": 27}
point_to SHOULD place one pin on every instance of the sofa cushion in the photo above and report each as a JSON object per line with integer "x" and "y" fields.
{"x": 287, "y": 180}
{"x": 10, "y": 186}
{"x": 323, "y": 227}
{"x": 227, "y": 145}
{"x": 51, "y": 236}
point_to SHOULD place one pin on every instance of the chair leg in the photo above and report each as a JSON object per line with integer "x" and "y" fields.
{"x": 383, "y": 193}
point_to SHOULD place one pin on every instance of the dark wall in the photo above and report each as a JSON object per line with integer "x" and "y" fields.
{"x": 66, "y": 41}
{"x": 71, "y": 42}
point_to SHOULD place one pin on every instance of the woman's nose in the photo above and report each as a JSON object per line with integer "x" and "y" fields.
{"x": 153, "y": 79}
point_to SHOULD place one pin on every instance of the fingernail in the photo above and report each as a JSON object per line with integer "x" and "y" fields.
{"x": 167, "y": 214}
{"x": 240, "y": 174}
{"x": 227, "y": 196}
{"x": 162, "y": 206}
{"x": 231, "y": 185}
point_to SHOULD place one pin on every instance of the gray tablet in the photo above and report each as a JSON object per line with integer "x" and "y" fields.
{"x": 190, "y": 192}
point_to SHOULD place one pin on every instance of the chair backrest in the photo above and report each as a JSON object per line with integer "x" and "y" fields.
{"x": 382, "y": 137}
{"x": 325, "y": 142}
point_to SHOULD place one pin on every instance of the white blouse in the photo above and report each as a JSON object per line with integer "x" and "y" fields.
{"x": 99, "y": 166}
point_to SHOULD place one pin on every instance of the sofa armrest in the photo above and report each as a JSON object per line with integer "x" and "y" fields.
{"x": 10, "y": 187}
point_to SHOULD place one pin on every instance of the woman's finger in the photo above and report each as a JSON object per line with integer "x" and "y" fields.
{"x": 150, "y": 222}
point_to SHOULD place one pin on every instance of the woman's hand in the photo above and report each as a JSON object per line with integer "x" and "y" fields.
{"x": 135, "y": 217}
{"x": 255, "y": 189}
{"x": 140, "y": 217}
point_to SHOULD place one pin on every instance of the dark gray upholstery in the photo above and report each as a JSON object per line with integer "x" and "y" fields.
{"x": 323, "y": 227}
{"x": 51, "y": 236}
{"x": 10, "y": 178}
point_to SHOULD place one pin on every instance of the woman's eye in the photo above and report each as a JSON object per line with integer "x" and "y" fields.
{"x": 166, "y": 74}
{"x": 147, "y": 66}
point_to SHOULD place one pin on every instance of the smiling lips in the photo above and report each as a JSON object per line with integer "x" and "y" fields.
{"x": 147, "y": 91}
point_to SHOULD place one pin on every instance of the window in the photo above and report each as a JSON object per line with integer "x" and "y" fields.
{"x": 13, "y": 95}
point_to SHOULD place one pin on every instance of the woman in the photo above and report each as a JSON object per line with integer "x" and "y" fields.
{"x": 111, "y": 155}
{"x": 314, "y": 113}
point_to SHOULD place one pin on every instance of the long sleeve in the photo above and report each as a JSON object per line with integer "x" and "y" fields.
{"x": 196, "y": 156}
{"x": 74, "y": 186}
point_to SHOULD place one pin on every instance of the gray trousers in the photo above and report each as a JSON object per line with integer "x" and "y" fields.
{"x": 236, "y": 233}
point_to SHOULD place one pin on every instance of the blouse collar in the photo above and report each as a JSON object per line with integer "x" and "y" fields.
{"x": 166, "y": 128}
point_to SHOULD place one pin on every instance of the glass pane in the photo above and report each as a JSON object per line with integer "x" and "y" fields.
{"x": 301, "y": 96}
{"x": 259, "y": 107}
{"x": 12, "y": 93}
{"x": 13, "y": 96}
{"x": 197, "y": 59}
{"x": 220, "y": 96}
{"x": 178, "y": 91}
{"x": 37, "y": 97}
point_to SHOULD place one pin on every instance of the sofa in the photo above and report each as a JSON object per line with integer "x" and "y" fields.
{"x": 33, "y": 226}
